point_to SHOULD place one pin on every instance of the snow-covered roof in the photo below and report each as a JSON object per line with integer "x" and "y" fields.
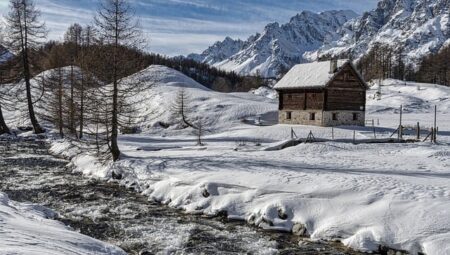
{"x": 310, "y": 75}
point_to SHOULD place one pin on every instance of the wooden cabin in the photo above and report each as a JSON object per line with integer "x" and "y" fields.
{"x": 329, "y": 93}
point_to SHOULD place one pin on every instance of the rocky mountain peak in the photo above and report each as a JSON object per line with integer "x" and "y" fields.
{"x": 278, "y": 47}
{"x": 418, "y": 27}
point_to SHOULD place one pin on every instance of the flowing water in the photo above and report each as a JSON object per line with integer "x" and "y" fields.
{"x": 124, "y": 218}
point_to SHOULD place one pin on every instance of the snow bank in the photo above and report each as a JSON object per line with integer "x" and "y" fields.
{"x": 325, "y": 188}
{"x": 83, "y": 162}
{"x": 29, "y": 229}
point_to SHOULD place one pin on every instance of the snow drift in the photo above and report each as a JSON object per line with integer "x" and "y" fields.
{"x": 29, "y": 229}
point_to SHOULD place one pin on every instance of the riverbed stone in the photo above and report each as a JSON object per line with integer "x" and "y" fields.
{"x": 299, "y": 229}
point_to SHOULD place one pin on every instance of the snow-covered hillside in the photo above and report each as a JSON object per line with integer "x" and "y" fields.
{"x": 15, "y": 105}
{"x": 29, "y": 229}
{"x": 418, "y": 26}
{"x": 278, "y": 47}
{"x": 217, "y": 110}
{"x": 416, "y": 98}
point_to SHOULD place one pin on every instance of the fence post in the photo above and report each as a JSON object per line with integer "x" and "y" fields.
{"x": 418, "y": 131}
{"x": 354, "y": 136}
{"x": 400, "y": 128}
{"x": 432, "y": 135}
{"x": 435, "y": 116}
{"x": 374, "y": 130}
{"x": 436, "y": 134}
{"x": 332, "y": 133}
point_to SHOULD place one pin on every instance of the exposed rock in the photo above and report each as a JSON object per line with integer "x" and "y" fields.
{"x": 282, "y": 215}
{"x": 299, "y": 229}
{"x": 117, "y": 176}
{"x": 205, "y": 193}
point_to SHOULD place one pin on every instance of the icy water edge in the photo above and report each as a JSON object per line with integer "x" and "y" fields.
{"x": 119, "y": 216}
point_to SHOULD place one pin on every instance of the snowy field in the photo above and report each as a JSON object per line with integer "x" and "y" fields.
{"x": 365, "y": 195}
{"x": 29, "y": 229}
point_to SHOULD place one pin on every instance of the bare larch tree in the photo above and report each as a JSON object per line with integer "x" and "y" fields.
{"x": 87, "y": 39}
{"x": 117, "y": 28}
{"x": 25, "y": 32}
{"x": 3, "y": 53}
{"x": 181, "y": 108}
{"x": 73, "y": 40}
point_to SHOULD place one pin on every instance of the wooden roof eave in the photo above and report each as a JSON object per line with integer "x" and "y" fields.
{"x": 341, "y": 69}
{"x": 317, "y": 87}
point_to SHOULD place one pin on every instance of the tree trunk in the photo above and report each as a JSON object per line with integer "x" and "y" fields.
{"x": 73, "y": 130}
{"x": 26, "y": 66}
{"x": 115, "y": 125}
{"x": 27, "y": 76}
{"x": 60, "y": 105}
{"x": 81, "y": 107}
{"x": 3, "y": 127}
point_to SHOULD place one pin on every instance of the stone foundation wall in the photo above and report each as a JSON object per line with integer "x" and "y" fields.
{"x": 344, "y": 118}
{"x": 301, "y": 118}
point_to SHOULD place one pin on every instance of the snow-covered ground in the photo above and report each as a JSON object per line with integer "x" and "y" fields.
{"x": 366, "y": 195}
{"x": 29, "y": 229}
{"x": 219, "y": 111}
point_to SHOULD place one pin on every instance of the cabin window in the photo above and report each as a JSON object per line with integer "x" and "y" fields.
{"x": 312, "y": 116}
{"x": 355, "y": 116}
{"x": 335, "y": 116}
{"x": 288, "y": 115}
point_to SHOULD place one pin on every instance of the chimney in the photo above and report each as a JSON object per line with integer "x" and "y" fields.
{"x": 333, "y": 65}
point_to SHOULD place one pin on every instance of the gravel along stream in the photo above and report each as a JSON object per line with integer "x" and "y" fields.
{"x": 124, "y": 218}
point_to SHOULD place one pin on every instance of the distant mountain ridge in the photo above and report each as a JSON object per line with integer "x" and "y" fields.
{"x": 418, "y": 27}
{"x": 277, "y": 48}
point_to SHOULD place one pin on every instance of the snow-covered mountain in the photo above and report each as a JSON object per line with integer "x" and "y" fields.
{"x": 219, "y": 51}
{"x": 418, "y": 26}
{"x": 277, "y": 48}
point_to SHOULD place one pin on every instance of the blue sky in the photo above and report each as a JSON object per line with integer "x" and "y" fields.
{"x": 175, "y": 27}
